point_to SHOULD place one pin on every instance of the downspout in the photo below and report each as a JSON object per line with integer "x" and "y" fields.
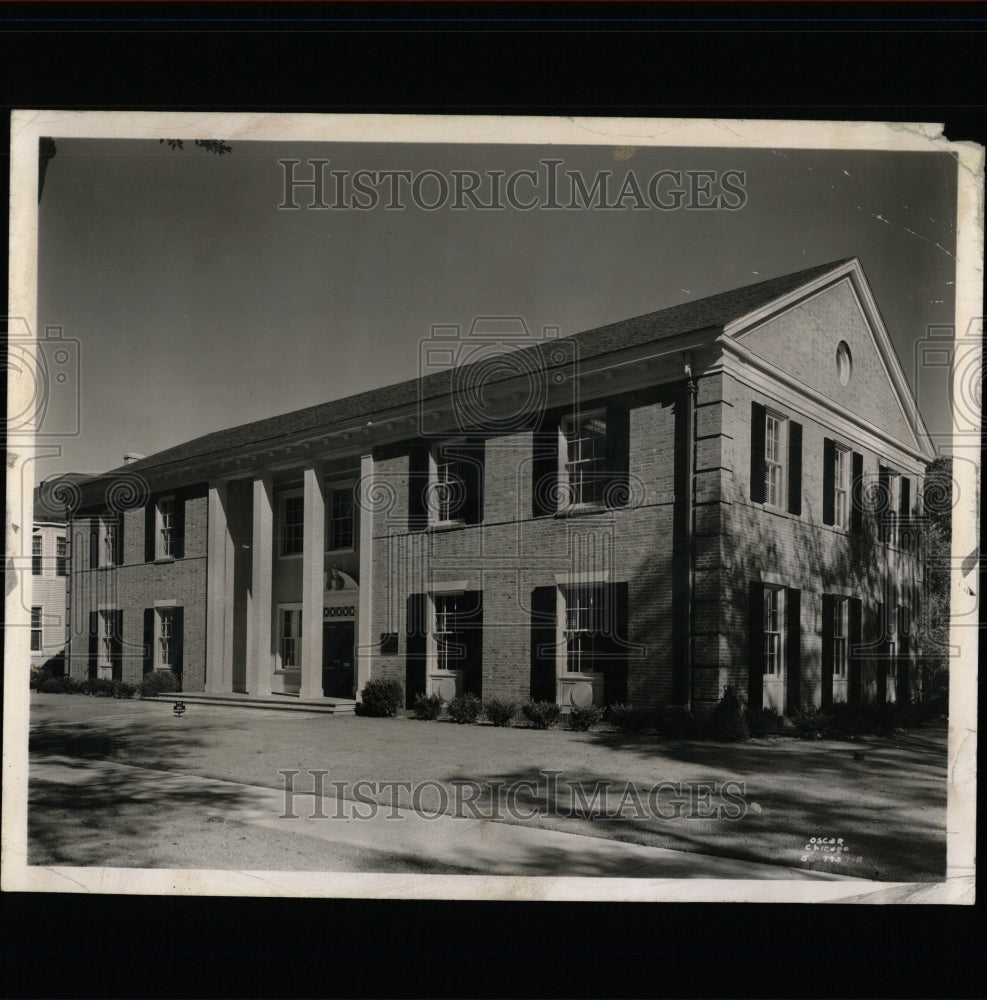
{"x": 690, "y": 520}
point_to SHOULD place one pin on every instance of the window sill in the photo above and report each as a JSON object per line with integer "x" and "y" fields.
{"x": 287, "y": 670}
{"x": 163, "y": 559}
{"x": 578, "y": 510}
{"x": 445, "y": 525}
{"x": 292, "y": 555}
{"x": 340, "y": 552}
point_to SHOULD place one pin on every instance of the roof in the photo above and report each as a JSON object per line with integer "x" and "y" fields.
{"x": 54, "y": 496}
{"x": 699, "y": 314}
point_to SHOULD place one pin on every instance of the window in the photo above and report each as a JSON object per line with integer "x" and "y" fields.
{"x": 166, "y": 639}
{"x": 61, "y": 557}
{"x": 584, "y": 623}
{"x": 890, "y": 500}
{"x": 774, "y": 466}
{"x": 448, "y": 478}
{"x": 892, "y": 647}
{"x": 841, "y": 487}
{"x": 844, "y": 362}
{"x": 774, "y": 618}
{"x": 108, "y": 552}
{"x": 840, "y": 629}
{"x": 447, "y": 632}
{"x": 36, "y": 634}
{"x": 341, "y": 518}
{"x": 36, "y": 555}
{"x": 292, "y": 523}
{"x": 165, "y": 548}
{"x": 291, "y": 637}
{"x": 583, "y": 459}
{"x": 106, "y": 638}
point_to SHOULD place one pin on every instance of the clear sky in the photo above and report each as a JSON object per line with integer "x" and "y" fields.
{"x": 198, "y": 304}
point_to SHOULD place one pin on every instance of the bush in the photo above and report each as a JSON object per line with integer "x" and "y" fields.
{"x": 121, "y": 689}
{"x": 61, "y": 685}
{"x": 38, "y": 676}
{"x": 811, "y": 722}
{"x": 158, "y": 682}
{"x": 428, "y": 707}
{"x": 626, "y": 718}
{"x": 381, "y": 699}
{"x": 465, "y": 708}
{"x": 728, "y": 721}
{"x": 676, "y": 722}
{"x": 583, "y": 719}
{"x": 541, "y": 714}
{"x": 99, "y": 687}
{"x": 763, "y": 721}
{"x": 499, "y": 711}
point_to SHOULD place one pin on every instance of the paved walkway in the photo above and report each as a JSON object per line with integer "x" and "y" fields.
{"x": 214, "y": 824}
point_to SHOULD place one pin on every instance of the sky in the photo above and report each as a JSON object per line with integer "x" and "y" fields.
{"x": 199, "y": 304}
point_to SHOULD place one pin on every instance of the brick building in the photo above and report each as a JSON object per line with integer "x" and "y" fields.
{"x": 719, "y": 493}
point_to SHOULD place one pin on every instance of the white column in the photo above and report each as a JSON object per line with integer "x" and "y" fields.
{"x": 364, "y": 636}
{"x": 313, "y": 583}
{"x": 260, "y": 663}
{"x": 219, "y": 592}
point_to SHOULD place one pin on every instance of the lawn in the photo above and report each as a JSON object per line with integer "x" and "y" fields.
{"x": 885, "y": 799}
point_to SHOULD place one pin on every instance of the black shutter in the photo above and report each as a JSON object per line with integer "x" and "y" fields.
{"x": 794, "y": 467}
{"x": 415, "y": 629}
{"x": 472, "y": 469}
{"x": 544, "y": 606}
{"x": 418, "y": 488}
{"x": 882, "y": 663}
{"x": 755, "y": 640}
{"x": 150, "y": 529}
{"x": 616, "y": 489}
{"x": 148, "y": 640}
{"x": 545, "y": 467}
{"x": 116, "y": 645}
{"x": 855, "y": 640}
{"x": 93, "y": 542}
{"x": 758, "y": 467}
{"x": 615, "y": 665}
{"x": 828, "y": 610}
{"x": 118, "y": 540}
{"x": 178, "y": 537}
{"x": 93, "y": 642}
{"x": 904, "y": 528}
{"x": 793, "y": 643}
{"x": 829, "y": 481}
{"x": 883, "y": 505}
{"x": 856, "y": 493}
{"x": 904, "y": 649}
{"x": 178, "y": 643}
{"x": 472, "y": 625}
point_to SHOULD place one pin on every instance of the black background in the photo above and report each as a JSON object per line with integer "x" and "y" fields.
{"x": 902, "y": 62}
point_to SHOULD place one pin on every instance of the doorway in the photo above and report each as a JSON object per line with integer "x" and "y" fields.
{"x": 337, "y": 659}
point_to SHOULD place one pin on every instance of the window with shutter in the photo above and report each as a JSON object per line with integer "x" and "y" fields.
{"x": 37, "y": 641}
{"x": 36, "y": 553}
{"x": 339, "y": 534}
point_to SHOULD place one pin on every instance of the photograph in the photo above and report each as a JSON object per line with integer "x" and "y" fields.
{"x": 490, "y": 507}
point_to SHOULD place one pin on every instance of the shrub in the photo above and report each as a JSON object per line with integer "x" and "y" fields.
{"x": 61, "y": 685}
{"x": 763, "y": 721}
{"x": 380, "y": 699}
{"x": 626, "y": 718}
{"x": 583, "y": 719}
{"x": 121, "y": 689}
{"x": 676, "y": 722}
{"x": 465, "y": 708}
{"x": 100, "y": 687}
{"x": 541, "y": 714}
{"x": 38, "y": 676}
{"x": 158, "y": 682}
{"x": 499, "y": 711}
{"x": 728, "y": 721}
{"x": 428, "y": 707}
{"x": 811, "y": 722}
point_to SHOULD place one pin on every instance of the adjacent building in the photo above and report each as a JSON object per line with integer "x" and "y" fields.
{"x": 723, "y": 493}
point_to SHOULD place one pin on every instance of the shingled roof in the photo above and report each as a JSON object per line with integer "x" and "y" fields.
{"x": 699, "y": 314}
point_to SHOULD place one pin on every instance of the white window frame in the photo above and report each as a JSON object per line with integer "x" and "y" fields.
{"x": 37, "y": 628}
{"x": 104, "y": 644}
{"x": 164, "y": 533}
{"x": 107, "y": 542}
{"x": 61, "y": 556}
{"x": 295, "y": 611}
{"x": 331, "y": 490}
{"x": 37, "y": 554}
{"x": 840, "y": 627}
{"x": 842, "y": 462}
{"x": 892, "y": 648}
{"x": 567, "y": 464}
{"x": 283, "y": 497}
{"x": 776, "y": 464}
{"x": 773, "y": 631}
{"x": 439, "y": 652}
{"x": 566, "y": 594}
{"x": 442, "y": 459}
{"x": 164, "y": 613}
{"x": 891, "y": 514}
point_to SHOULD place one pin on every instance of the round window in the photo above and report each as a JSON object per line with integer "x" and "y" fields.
{"x": 844, "y": 362}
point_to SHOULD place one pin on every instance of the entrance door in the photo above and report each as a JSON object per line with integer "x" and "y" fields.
{"x": 337, "y": 659}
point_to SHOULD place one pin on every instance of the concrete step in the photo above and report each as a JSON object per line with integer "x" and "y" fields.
{"x": 277, "y": 703}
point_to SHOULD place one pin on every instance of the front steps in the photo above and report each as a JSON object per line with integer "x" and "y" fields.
{"x": 272, "y": 702}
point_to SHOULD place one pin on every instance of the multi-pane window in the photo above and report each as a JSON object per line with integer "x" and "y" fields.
{"x": 447, "y": 487}
{"x": 841, "y": 487}
{"x": 291, "y": 637}
{"x": 891, "y": 500}
{"x": 106, "y": 637}
{"x": 774, "y": 464}
{"x": 292, "y": 523}
{"x": 166, "y": 638}
{"x": 447, "y": 632}
{"x": 166, "y": 528}
{"x": 840, "y": 629}
{"x": 773, "y": 624}
{"x": 584, "y": 472}
{"x": 109, "y": 543}
{"x": 341, "y": 518}
{"x": 584, "y": 612}
{"x": 61, "y": 557}
{"x": 36, "y": 555}
{"x": 36, "y": 634}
